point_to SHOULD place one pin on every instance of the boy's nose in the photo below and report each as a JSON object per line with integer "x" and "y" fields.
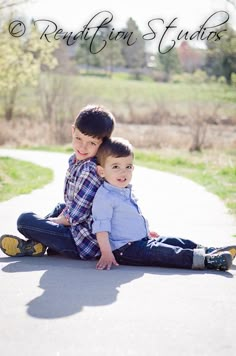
{"x": 83, "y": 145}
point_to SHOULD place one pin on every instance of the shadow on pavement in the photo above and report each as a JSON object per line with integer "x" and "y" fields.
{"x": 69, "y": 285}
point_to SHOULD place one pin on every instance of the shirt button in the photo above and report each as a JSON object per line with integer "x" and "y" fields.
{"x": 129, "y": 243}
{"x": 121, "y": 254}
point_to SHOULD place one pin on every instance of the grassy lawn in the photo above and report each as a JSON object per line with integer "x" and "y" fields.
{"x": 115, "y": 90}
{"x": 120, "y": 93}
{"x": 144, "y": 91}
{"x": 20, "y": 177}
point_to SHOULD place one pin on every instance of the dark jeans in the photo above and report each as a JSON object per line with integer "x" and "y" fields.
{"x": 160, "y": 251}
{"x": 55, "y": 236}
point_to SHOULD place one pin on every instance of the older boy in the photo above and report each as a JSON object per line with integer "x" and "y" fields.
{"x": 122, "y": 231}
{"x": 68, "y": 230}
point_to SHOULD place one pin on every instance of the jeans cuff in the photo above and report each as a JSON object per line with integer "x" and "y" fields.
{"x": 199, "y": 258}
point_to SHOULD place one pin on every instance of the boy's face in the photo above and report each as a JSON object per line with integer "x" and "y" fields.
{"x": 117, "y": 170}
{"x": 84, "y": 146}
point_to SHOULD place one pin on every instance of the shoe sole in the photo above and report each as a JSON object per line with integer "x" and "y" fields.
{"x": 231, "y": 249}
{"x": 13, "y": 246}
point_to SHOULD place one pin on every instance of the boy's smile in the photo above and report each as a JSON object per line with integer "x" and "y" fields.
{"x": 117, "y": 170}
{"x": 84, "y": 146}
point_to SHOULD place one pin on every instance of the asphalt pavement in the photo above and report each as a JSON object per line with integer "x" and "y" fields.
{"x": 55, "y": 306}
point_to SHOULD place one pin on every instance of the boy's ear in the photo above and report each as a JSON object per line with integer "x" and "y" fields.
{"x": 100, "y": 171}
{"x": 72, "y": 129}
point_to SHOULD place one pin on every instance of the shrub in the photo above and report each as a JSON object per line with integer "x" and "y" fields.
{"x": 221, "y": 80}
{"x": 233, "y": 79}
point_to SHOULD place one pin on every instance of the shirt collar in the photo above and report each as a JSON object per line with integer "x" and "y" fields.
{"x": 123, "y": 191}
{"x": 73, "y": 160}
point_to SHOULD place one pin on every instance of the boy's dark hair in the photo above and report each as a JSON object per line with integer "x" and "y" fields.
{"x": 114, "y": 147}
{"x": 95, "y": 121}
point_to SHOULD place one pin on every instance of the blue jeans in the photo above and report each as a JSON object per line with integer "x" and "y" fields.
{"x": 161, "y": 252}
{"x": 55, "y": 236}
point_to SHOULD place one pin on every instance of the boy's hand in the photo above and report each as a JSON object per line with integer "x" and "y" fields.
{"x": 153, "y": 234}
{"x": 106, "y": 261}
{"x": 61, "y": 220}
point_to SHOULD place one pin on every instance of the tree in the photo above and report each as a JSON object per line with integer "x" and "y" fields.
{"x": 134, "y": 55}
{"x": 169, "y": 63}
{"x": 65, "y": 56}
{"x": 221, "y": 55}
{"x": 84, "y": 56}
{"x": 111, "y": 56}
{"x": 108, "y": 58}
{"x": 21, "y": 63}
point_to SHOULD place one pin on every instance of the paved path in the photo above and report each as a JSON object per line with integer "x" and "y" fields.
{"x": 62, "y": 307}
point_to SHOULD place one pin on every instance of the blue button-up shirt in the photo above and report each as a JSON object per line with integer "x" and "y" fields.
{"x": 115, "y": 210}
{"x": 81, "y": 185}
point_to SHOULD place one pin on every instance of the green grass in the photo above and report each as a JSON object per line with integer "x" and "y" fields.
{"x": 120, "y": 91}
{"x": 20, "y": 177}
{"x": 116, "y": 90}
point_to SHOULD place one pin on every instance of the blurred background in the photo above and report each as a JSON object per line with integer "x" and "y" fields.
{"x": 185, "y": 98}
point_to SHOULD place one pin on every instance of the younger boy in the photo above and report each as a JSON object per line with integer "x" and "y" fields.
{"x": 122, "y": 232}
{"x": 68, "y": 229}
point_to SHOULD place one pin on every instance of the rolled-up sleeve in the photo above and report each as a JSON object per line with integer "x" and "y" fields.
{"x": 102, "y": 225}
{"x": 101, "y": 212}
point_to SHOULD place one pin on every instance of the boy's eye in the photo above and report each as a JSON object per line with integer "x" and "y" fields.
{"x": 129, "y": 166}
{"x": 115, "y": 167}
{"x": 93, "y": 144}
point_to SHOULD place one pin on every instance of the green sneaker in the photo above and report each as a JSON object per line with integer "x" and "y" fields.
{"x": 221, "y": 261}
{"x": 15, "y": 247}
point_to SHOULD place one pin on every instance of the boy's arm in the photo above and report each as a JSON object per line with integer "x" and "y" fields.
{"x": 79, "y": 209}
{"x": 102, "y": 211}
{"x": 153, "y": 234}
{"x": 107, "y": 258}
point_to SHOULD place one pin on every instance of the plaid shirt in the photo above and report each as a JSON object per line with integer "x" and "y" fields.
{"x": 81, "y": 184}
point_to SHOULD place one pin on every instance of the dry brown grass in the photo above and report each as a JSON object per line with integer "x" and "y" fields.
{"x": 25, "y": 132}
{"x": 174, "y": 136}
